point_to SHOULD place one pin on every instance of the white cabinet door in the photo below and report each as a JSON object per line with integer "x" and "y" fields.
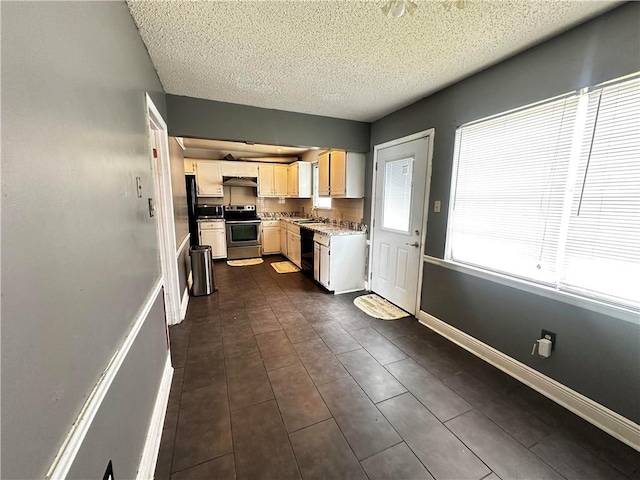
{"x": 271, "y": 240}
{"x": 325, "y": 266}
{"x": 338, "y": 174}
{"x": 189, "y": 166}
{"x": 323, "y": 175}
{"x": 293, "y": 248}
{"x": 266, "y": 186}
{"x": 283, "y": 239}
{"x": 316, "y": 261}
{"x": 280, "y": 179}
{"x": 292, "y": 180}
{"x": 217, "y": 240}
{"x": 209, "y": 179}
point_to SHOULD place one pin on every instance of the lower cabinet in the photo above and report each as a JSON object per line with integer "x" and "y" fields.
{"x": 270, "y": 237}
{"x": 293, "y": 248}
{"x": 214, "y": 234}
{"x": 283, "y": 238}
{"x": 339, "y": 261}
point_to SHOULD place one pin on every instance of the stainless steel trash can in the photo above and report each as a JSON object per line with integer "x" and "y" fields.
{"x": 202, "y": 268}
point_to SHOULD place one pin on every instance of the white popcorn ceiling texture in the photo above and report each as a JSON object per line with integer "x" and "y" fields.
{"x": 338, "y": 59}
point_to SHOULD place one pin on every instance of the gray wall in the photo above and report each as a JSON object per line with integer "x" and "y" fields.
{"x": 602, "y": 49}
{"x": 194, "y": 117}
{"x": 79, "y": 251}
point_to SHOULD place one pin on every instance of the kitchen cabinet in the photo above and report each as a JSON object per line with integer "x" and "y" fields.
{"x": 239, "y": 169}
{"x": 283, "y": 238}
{"x": 294, "y": 251}
{"x": 299, "y": 180}
{"x": 214, "y": 234}
{"x": 341, "y": 174}
{"x": 270, "y": 237}
{"x": 339, "y": 261}
{"x": 272, "y": 180}
{"x": 209, "y": 179}
{"x": 189, "y": 166}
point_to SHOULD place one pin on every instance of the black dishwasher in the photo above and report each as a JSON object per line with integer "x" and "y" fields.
{"x": 306, "y": 250}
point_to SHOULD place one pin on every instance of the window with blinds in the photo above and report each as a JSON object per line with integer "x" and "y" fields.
{"x": 551, "y": 194}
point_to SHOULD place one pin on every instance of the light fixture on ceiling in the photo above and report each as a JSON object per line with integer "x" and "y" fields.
{"x": 459, "y": 4}
{"x": 398, "y": 8}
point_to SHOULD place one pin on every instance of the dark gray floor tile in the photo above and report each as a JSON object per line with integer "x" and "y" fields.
{"x": 300, "y": 332}
{"x": 370, "y": 375}
{"x": 349, "y": 322}
{"x": 204, "y": 367}
{"x": 474, "y": 391}
{"x": 274, "y": 343}
{"x": 165, "y": 454}
{"x": 222, "y": 468}
{"x": 264, "y": 320}
{"x": 378, "y": 346}
{"x": 316, "y": 344}
{"x": 397, "y": 462}
{"x": 179, "y": 340}
{"x": 364, "y": 427}
{"x": 443, "y": 402}
{"x": 491, "y": 476}
{"x": 261, "y": 447}
{"x": 438, "y": 449}
{"x": 300, "y": 403}
{"x": 604, "y": 446}
{"x": 546, "y": 410}
{"x": 236, "y": 347}
{"x": 503, "y": 454}
{"x": 389, "y": 329}
{"x": 322, "y": 365}
{"x": 572, "y": 461}
{"x": 516, "y": 421}
{"x": 323, "y": 453}
{"x": 204, "y": 427}
{"x": 248, "y": 381}
{"x": 496, "y": 379}
{"x": 436, "y": 361}
{"x": 205, "y": 335}
{"x": 173, "y": 405}
{"x": 336, "y": 337}
{"x": 274, "y": 362}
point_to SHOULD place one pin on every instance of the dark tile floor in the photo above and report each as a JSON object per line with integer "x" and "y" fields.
{"x": 276, "y": 379}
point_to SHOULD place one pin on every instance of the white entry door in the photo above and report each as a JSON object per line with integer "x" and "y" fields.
{"x": 399, "y": 219}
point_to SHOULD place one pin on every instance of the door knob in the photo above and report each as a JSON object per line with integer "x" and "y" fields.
{"x": 414, "y": 244}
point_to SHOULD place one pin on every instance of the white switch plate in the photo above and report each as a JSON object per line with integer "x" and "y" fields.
{"x": 436, "y": 206}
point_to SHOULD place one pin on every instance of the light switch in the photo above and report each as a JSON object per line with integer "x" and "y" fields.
{"x": 436, "y": 206}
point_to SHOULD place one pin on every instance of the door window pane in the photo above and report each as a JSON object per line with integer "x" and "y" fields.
{"x": 396, "y": 210}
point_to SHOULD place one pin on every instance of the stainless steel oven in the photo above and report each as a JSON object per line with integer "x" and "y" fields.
{"x": 244, "y": 239}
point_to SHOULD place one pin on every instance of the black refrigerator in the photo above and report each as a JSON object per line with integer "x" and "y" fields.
{"x": 191, "y": 208}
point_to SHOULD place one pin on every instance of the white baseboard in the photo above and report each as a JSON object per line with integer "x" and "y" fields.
{"x": 611, "y": 422}
{"x": 149, "y": 458}
{"x": 69, "y": 449}
{"x": 184, "y": 304}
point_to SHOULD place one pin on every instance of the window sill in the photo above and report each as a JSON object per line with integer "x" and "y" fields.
{"x": 621, "y": 313}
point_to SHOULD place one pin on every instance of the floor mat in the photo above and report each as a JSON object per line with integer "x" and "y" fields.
{"x": 284, "y": 267}
{"x": 245, "y": 262}
{"x": 378, "y": 307}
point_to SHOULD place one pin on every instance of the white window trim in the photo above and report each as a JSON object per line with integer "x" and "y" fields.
{"x": 594, "y": 305}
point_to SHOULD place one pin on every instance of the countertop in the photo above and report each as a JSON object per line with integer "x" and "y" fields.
{"x": 324, "y": 228}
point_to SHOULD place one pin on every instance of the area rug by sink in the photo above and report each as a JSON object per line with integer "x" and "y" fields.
{"x": 245, "y": 262}
{"x": 378, "y": 307}
{"x": 285, "y": 267}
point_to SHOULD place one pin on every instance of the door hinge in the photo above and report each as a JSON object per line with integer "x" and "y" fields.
{"x": 376, "y": 167}
{"x": 155, "y": 153}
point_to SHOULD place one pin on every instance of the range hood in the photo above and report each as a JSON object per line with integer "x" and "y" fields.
{"x": 240, "y": 181}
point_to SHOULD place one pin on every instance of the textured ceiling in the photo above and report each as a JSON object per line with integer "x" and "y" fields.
{"x": 339, "y": 59}
{"x": 217, "y": 149}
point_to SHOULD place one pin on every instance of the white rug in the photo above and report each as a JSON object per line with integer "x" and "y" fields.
{"x": 244, "y": 262}
{"x": 378, "y": 307}
{"x": 285, "y": 267}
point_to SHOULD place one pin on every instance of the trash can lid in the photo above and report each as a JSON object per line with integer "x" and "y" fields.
{"x": 200, "y": 248}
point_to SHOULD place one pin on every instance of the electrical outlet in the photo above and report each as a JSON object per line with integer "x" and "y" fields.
{"x": 551, "y": 336}
{"x": 436, "y": 206}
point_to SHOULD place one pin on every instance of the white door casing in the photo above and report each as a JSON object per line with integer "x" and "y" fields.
{"x": 399, "y": 216}
{"x": 161, "y": 169}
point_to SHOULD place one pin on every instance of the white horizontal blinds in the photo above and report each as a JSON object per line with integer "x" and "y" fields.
{"x": 602, "y": 256}
{"x": 511, "y": 173}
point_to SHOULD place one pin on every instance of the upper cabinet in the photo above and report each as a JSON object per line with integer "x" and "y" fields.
{"x": 299, "y": 180}
{"x": 341, "y": 174}
{"x": 189, "y": 166}
{"x": 272, "y": 180}
{"x": 209, "y": 179}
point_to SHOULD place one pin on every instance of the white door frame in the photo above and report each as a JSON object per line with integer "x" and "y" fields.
{"x": 161, "y": 169}
{"x": 430, "y": 133}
